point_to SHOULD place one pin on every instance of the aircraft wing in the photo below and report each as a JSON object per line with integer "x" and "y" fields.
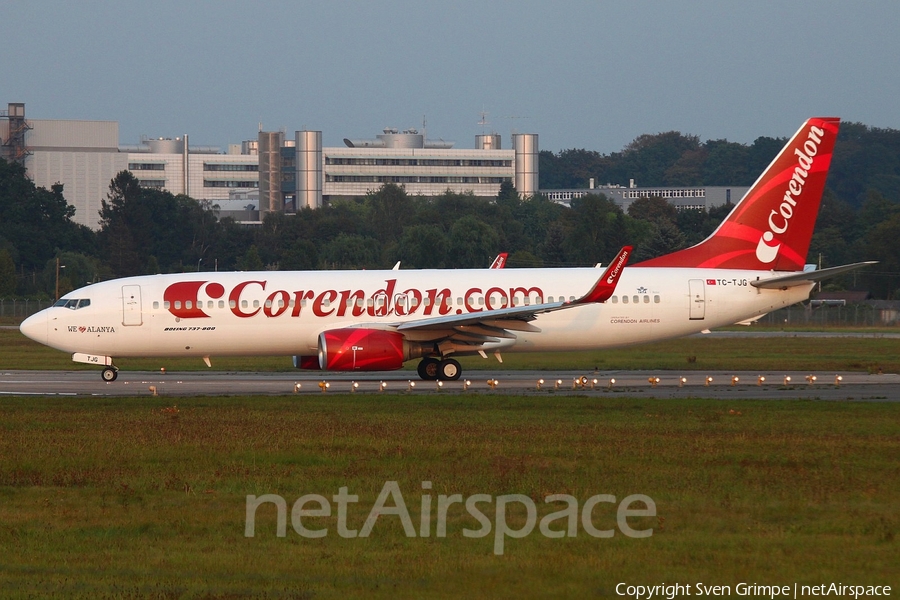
{"x": 807, "y": 277}
{"x": 473, "y": 331}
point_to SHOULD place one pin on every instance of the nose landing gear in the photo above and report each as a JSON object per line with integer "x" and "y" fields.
{"x": 109, "y": 374}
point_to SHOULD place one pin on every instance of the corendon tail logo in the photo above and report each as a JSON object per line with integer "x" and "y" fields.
{"x": 623, "y": 258}
{"x": 780, "y": 219}
{"x": 186, "y": 300}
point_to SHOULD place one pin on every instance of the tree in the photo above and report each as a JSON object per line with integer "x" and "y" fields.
{"x": 664, "y": 237}
{"x": 881, "y": 245}
{"x": 300, "y": 256}
{"x": 37, "y": 222}
{"x": 351, "y": 251}
{"x": 653, "y": 209}
{"x": 424, "y": 247}
{"x": 250, "y": 261}
{"x": 473, "y": 243}
{"x": 142, "y": 230}
{"x": 727, "y": 164}
{"x": 599, "y": 229}
{"x": 390, "y": 207}
{"x": 8, "y": 279}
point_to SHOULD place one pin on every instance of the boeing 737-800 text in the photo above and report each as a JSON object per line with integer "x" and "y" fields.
{"x": 377, "y": 320}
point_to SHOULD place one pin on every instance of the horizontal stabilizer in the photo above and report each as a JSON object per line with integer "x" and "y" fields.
{"x": 807, "y": 277}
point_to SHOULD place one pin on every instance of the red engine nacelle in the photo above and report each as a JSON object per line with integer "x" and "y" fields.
{"x": 363, "y": 350}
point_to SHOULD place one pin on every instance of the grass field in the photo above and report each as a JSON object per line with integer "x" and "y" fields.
{"x": 136, "y": 498}
{"x": 685, "y": 354}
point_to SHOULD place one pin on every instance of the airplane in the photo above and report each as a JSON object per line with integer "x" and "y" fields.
{"x": 499, "y": 261}
{"x": 752, "y": 264}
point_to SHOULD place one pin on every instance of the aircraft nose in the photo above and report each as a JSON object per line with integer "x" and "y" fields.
{"x": 35, "y": 327}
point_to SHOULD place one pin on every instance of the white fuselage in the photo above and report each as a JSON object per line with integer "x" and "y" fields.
{"x": 283, "y": 313}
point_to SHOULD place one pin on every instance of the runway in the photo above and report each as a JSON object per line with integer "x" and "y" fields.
{"x": 600, "y": 384}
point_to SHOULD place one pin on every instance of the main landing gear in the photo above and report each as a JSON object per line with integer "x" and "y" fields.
{"x": 433, "y": 369}
{"x": 109, "y": 374}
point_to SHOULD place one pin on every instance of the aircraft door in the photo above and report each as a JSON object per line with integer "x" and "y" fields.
{"x": 697, "y": 298}
{"x": 132, "y": 314}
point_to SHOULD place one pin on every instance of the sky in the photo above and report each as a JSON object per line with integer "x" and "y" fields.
{"x": 581, "y": 74}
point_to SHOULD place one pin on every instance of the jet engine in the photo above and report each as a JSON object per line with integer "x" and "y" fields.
{"x": 358, "y": 349}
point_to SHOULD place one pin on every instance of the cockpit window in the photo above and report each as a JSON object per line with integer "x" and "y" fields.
{"x": 73, "y": 303}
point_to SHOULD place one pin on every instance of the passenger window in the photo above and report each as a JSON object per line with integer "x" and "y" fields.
{"x": 188, "y": 304}
{"x": 646, "y": 299}
{"x": 166, "y": 305}
{"x": 178, "y": 305}
{"x": 615, "y": 299}
{"x": 156, "y": 305}
{"x": 636, "y": 299}
{"x": 656, "y": 299}
{"x": 624, "y": 299}
{"x": 221, "y": 304}
{"x": 233, "y": 304}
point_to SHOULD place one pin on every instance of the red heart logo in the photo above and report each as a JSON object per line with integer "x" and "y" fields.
{"x": 82, "y": 329}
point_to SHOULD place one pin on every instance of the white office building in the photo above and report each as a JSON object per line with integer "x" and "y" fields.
{"x": 258, "y": 176}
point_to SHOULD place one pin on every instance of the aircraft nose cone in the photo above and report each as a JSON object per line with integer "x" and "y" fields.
{"x": 35, "y": 327}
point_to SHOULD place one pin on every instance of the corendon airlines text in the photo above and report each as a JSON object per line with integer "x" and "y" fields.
{"x": 183, "y": 300}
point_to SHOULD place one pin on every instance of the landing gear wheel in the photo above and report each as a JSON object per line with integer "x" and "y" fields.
{"x": 449, "y": 370}
{"x": 428, "y": 369}
{"x": 109, "y": 374}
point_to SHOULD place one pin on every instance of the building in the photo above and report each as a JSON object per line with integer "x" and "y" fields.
{"x": 85, "y": 156}
{"x": 422, "y": 167}
{"x": 276, "y": 173}
{"x": 682, "y": 198}
{"x": 270, "y": 174}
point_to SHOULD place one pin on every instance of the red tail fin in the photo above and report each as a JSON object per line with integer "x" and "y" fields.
{"x": 771, "y": 227}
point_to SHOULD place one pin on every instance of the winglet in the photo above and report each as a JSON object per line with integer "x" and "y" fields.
{"x": 500, "y": 261}
{"x": 606, "y": 285}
